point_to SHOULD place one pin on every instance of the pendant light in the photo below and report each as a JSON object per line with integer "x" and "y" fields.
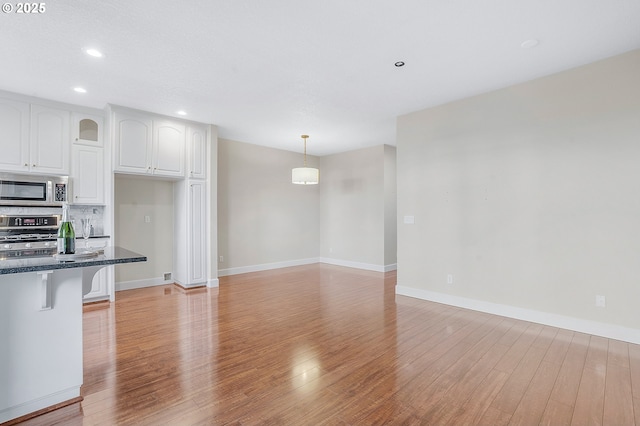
{"x": 305, "y": 175}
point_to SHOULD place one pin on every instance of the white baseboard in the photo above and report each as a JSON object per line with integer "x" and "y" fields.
{"x": 265, "y": 266}
{"x": 47, "y": 401}
{"x": 152, "y": 282}
{"x": 359, "y": 265}
{"x": 188, "y": 286}
{"x": 288, "y": 263}
{"x": 391, "y": 267}
{"x": 149, "y": 282}
{"x": 610, "y": 331}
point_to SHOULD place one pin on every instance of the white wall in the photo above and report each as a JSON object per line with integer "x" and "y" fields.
{"x": 135, "y": 198}
{"x": 263, "y": 219}
{"x": 530, "y": 197}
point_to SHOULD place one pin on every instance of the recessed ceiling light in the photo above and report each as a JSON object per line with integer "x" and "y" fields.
{"x": 80, "y": 89}
{"x": 94, "y": 52}
{"x": 181, "y": 112}
{"x": 528, "y": 44}
{"x": 399, "y": 64}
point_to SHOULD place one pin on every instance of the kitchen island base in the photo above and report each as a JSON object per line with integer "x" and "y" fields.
{"x": 41, "y": 332}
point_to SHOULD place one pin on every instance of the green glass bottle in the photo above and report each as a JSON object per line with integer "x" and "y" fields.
{"x": 66, "y": 234}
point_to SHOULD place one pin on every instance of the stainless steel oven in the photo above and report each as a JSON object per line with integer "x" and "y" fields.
{"x": 28, "y": 235}
{"x": 33, "y": 190}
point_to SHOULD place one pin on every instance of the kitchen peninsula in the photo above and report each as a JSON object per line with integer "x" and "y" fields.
{"x": 41, "y": 329}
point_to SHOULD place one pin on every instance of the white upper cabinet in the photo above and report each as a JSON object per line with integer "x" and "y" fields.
{"x": 33, "y": 138}
{"x": 87, "y": 129}
{"x": 168, "y": 148}
{"x": 145, "y": 145}
{"x": 197, "y": 151}
{"x": 49, "y": 140}
{"x": 14, "y": 135}
{"x": 87, "y": 174}
{"x": 132, "y": 141}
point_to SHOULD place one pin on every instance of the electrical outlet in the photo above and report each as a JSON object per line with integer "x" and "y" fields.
{"x": 167, "y": 276}
{"x": 147, "y": 219}
{"x": 449, "y": 278}
{"x": 221, "y": 259}
{"x": 601, "y": 302}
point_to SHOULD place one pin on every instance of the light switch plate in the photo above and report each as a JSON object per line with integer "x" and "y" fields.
{"x": 409, "y": 220}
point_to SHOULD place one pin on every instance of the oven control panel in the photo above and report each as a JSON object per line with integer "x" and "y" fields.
{"x": 29, "y": 222}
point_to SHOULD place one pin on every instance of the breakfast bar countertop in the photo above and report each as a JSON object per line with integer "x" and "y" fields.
{"x": 111, "y": 256}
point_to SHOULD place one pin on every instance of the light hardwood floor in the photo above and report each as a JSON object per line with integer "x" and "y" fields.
{"x": 321, "y": 344}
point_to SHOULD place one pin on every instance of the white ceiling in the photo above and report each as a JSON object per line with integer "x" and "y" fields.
{"x": 267, "y": 71}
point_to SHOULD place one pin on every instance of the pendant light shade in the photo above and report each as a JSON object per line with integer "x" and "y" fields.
{"x": 305, "y": 175}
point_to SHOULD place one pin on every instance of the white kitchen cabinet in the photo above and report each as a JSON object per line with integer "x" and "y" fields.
{"x": 99, "y": 285}
{"x": 132, "y": 142}
{"x": 197, "y": 151}
{"x": 14, "y": 135}
{"x": 87, "y": 174}
{"x": 87, "y": 129}
{"x": 148, "y": 145}
{"x": 99, "y": 289}
{"x": 168, "y": 148}
{"x": 33, "y": 138}
{"x": 190, "y": 254}
{"x": 49, "y": 140}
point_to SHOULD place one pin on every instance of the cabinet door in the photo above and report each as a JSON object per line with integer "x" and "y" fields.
{"x": 197, "y": 151}
{"x": 197, "y": 258}
{"x": 87, "y": 174}
{"x": 87, "y": 129}
{"x": 132, "y": 140}
{"x": 98, "y": 287}
{"x": 168, "y": 148}
{"x": 14, "y": 135}
{"x": 49, "y": 140}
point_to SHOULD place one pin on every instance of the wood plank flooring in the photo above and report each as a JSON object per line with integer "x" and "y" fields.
{"x": 327, "y": 345}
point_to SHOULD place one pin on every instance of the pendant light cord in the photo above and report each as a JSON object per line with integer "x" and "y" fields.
{"x": 304, "y": 138}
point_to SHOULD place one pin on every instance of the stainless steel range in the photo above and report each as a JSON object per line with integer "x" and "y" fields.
{"x": 28, "y": 235}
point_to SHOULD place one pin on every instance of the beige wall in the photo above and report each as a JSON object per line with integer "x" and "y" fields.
{"x": 529, "y": 196}
{"x": 355, "y": 206}
{"x": 135, "y": 198}
{"x": 390, "y": 206}
{"x": 262, "y": 217}
{"x": 265, "y": 220}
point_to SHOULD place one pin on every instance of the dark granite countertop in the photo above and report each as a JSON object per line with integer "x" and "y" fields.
{"x": 111, "y": 256}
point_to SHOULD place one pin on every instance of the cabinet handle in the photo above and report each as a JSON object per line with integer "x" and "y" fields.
{"x": 34, "y": 165}
{"x": 26, "y": 164}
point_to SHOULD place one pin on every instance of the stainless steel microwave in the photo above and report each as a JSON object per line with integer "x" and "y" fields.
{"x": 33, "y": 190}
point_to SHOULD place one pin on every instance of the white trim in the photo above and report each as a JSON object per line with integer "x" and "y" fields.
{"x": 213, "y": 282}
{"x": 391, "y": 267}
{"x": 265, "y": 266}
{"x": 358, "y": 265}
{"x": 188, "y": 286}
{"x": 34, "y": 405}
{"x": 149, "y": 282}
{"x": 610, "y": 331}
